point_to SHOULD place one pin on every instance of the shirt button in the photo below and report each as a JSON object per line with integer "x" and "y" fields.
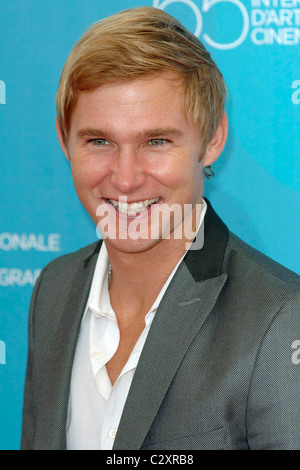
{"x": 112, "y": 433}
{"x": 97, "y": 315}
{"x": 96, "y": 354}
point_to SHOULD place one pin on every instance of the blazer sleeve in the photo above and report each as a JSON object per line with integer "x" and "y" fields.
{"x": 273, "y": 410}
{"x": 27, "y": 436}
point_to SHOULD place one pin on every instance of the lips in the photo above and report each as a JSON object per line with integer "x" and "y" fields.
{"x": 134, "y": 208}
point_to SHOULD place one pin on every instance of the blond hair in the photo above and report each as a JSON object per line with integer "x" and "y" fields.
{"x": 134, "y": 44}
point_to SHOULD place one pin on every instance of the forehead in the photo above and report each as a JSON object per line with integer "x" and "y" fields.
{"x": 153, "y": 98}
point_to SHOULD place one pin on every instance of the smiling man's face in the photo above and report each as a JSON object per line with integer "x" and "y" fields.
{"x": 131, "y": 142}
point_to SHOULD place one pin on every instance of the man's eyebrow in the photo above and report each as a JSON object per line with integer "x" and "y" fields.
{"x": 91, "y": 132}
{"x": 144, "y": 134}
{"x": 161, "y": 132}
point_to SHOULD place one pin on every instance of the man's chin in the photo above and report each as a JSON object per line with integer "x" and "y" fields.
{"x": 132, "y": 246}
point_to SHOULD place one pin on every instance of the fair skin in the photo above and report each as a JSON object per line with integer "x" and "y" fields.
{"x": 132, "y": 140}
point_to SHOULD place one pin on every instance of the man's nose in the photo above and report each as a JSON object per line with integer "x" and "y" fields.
{"x": 128, "y": 174}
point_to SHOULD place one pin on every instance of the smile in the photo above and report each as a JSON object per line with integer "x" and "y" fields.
{"x": 133, "y": 208}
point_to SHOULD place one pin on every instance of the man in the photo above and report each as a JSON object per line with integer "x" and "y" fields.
{"x": 148, "y": 340}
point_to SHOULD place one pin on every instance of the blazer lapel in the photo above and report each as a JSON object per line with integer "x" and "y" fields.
{"x": 51, "y": 424}
{"x": 173, "y": 329}
{"x": 185, "y": 306}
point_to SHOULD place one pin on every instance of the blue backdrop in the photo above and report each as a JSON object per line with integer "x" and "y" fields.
{"x": 256, "y": 187}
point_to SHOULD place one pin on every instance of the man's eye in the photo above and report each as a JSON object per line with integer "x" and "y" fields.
{"x": 157, "y": 142}
{"x": 99, "y": 142}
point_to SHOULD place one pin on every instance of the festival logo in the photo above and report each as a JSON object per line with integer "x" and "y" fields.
{"x": 15, "y": 277}
{"x": 265, "y": 22}
{"x": 31, "y": 241}
{"x": 11, "y": 242}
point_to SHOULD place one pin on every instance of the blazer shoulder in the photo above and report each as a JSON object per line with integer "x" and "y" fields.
{"x": 262, "y": 267}
{"x": 58, "y": 280}
{"x": 68, "y": 262}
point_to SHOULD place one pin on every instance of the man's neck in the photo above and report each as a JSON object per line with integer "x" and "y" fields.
{"x": 137, "y": 278}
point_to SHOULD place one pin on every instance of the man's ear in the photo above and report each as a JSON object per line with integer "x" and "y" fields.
{"x": 217, "y": 143}
{"x": 61, "y": 140}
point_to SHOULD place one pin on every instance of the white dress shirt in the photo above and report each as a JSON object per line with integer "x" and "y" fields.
{"x": 95, "y": 406}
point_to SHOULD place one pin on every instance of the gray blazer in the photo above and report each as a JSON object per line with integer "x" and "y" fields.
{"x": 216, "y": 371}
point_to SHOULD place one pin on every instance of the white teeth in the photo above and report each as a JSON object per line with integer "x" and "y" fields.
{"x": 133, "y": 208}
